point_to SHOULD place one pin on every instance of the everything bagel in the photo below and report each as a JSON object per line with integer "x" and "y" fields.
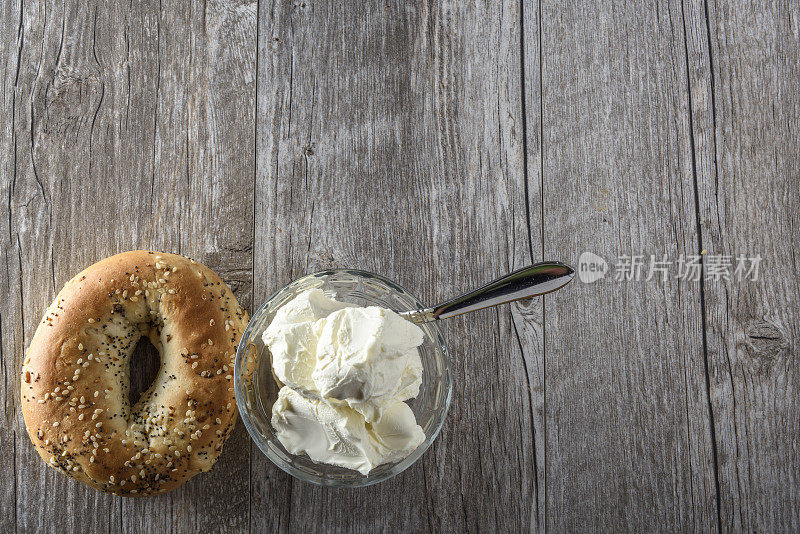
{"x": 75, "y": 377}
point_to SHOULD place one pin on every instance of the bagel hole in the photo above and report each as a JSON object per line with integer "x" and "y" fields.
{"x": 144, "y": 365}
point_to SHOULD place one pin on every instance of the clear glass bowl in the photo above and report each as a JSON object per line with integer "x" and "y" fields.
{"x": 257, "y": 390}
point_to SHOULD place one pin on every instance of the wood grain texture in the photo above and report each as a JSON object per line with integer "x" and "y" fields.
{"x": 121, "y": 139}
{"x": 391, "y": 140}
{"x": 744, "y": 66}
{"x": 628, "y": 443}
{"x": 11, "y": 324}
{"x": 440, "y": 144}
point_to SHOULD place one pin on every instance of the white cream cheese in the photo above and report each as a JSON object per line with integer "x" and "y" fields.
{"x": 338, "y": 435}
{"x": 345, "y": 371}
{"x": 368, "y": 358}
{"x": 292, "y": 339}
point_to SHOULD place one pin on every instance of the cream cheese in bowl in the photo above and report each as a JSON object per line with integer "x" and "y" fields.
{"x": 345, "y": 373}
{"x": 382, "y": 444}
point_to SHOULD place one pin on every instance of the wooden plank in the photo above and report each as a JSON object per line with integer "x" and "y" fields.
{"x": 271, "y": 489}
{"x": 57, "y": 220}
{"x": 153, "y": 119}
{"x": 11, "y": 331}
{"x": 528, "y": 318}
{"x": 390, "y": 139}
{"x": 628, "y": 440}
{"x": 220, "y": 133}
{"x": 122, "y": 141}
{"x": 744, "y": 63}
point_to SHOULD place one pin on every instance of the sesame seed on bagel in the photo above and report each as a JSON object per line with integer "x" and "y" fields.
{"x": 75, "y": 377}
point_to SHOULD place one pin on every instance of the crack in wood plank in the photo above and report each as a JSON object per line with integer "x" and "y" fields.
{"x": 712, "y": 425}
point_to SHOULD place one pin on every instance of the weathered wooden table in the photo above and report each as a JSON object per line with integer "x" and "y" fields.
{"x": 440, "y": 144}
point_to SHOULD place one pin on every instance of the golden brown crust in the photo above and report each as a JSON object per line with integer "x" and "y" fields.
{"x": 75, "y": 374}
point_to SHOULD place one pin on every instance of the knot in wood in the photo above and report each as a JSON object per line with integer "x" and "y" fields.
{"x": 766, "y": 343}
